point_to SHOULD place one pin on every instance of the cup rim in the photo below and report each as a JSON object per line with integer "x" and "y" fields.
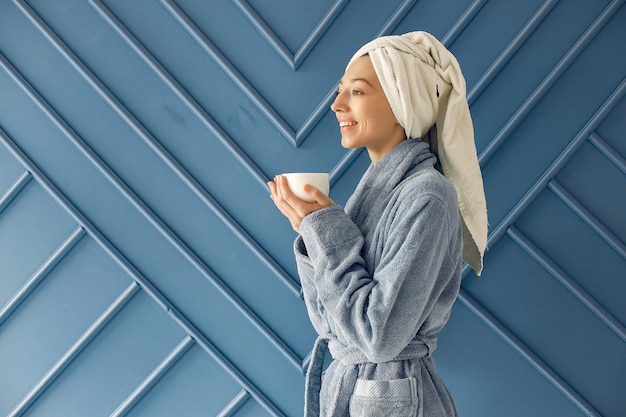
{"x": 305, "y": 173}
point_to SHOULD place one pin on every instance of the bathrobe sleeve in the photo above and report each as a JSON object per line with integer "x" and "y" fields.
{"x": 383, "y": 312}
{"x": 313, "y": 304}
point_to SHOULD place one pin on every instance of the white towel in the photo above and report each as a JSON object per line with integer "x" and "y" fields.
{"x": 426, "y": 90}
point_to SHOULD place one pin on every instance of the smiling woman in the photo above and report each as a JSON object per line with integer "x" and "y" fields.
{"x": 379, "y": 278}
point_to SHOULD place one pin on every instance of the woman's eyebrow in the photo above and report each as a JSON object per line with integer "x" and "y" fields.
{"x": 353, "y": 80}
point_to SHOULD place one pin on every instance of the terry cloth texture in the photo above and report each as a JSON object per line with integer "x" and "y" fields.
{"x": 379, "y": 281}
{"x": 426, "y": 90}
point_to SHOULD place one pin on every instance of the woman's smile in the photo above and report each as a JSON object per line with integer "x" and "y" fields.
{"x": 346, "y": 125}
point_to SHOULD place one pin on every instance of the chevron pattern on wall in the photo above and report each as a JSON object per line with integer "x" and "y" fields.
{"x": 144, "y": 270}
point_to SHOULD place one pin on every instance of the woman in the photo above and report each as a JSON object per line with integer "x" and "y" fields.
{"x": 379, "y": 278}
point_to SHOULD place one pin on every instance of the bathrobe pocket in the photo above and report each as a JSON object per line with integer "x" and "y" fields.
{"x": 393, "y": 398}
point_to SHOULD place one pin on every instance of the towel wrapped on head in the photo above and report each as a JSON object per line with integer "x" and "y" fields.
{"x": 426, "y": 91}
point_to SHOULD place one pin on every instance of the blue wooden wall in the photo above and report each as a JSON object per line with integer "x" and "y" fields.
{"x": 145, "y": 272}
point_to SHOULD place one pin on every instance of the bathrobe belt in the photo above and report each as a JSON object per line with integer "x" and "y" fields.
{"x": 349, "y": 355}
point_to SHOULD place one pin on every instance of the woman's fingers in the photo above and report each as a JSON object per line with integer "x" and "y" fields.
{"x": 285, "y": 192}
{"x": 280, "y": 198}
{"x": 293, "y": 207}
{"x": 318, "y": 197}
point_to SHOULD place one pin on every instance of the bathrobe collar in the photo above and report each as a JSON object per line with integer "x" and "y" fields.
{"x": 375, "y": 187}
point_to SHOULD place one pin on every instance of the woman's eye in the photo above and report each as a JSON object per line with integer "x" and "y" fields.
{"x": 356, "y": 92}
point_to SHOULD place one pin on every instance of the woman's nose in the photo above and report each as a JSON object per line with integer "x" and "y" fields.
{"x": 337, "y": 105}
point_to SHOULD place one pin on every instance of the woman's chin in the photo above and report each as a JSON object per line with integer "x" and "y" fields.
{"x": 349, "y": 144}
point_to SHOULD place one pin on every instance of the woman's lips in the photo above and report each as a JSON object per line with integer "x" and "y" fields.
{"x": 346, "y": 125}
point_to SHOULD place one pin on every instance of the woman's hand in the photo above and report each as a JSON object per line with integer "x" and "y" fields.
{"x": 291, "y": 206}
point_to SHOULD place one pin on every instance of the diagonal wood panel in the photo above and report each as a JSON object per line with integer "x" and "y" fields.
{"x": 260, "y": 274}
{"x": 112, "y": 310}
{"x": 292, "y": 59}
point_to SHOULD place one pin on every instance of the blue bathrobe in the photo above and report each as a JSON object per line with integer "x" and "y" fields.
{"x": 379, "y": 280}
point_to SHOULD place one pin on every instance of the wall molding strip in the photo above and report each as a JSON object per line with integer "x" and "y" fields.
{"x": 167, "y": 158}
{"x": 201, "y": 39}
{"x": 318, "y": 32}
{"x": 176, "y": 88}
{"x": 510, "y": 50}
{"x": 294, "y": 137}
{"x": 587, "y": 217}
{"x": 462, "y": 22}
{"x": 579, "y": 292}
{"x": 526, "y": 353}
{"x": 344, "y": 163}
{"x": 549, "y": 81}
{"x": 235, "y": 404}
{"x": 292, "y": 60}
{"x": 14, "y": 190}
{"x": 157, "y": 148}
{"x": 187, "y": 179}
{"x": 267, "y": 33}
{"x": 558, "y": 163}
{"x": 141, "y": 280}
{"x": 154, "y": 377}
{"x": 305, "y": 362}
{"x": 608, "y": 151}
{"x": 209, "y": 348}
{"x": 158, "y": 224}
{"x": 317, "y": 114}
{"x": 41, "y": 273}
{"x": 395, "y": 18}
{"x": 452, "y": 33}
{"x": 75, "y": 350}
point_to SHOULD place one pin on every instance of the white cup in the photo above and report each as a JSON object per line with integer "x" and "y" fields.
{"x": 297, "y": 181}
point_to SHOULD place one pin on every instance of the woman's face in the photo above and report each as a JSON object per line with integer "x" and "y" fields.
{"x": 364, "y": 115}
